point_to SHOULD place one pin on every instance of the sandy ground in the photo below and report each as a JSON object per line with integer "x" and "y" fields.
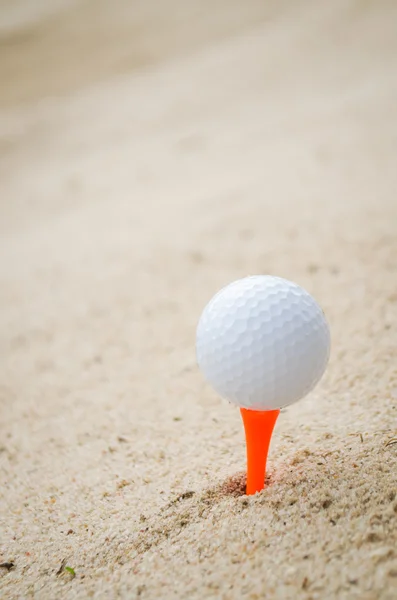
{"x": 151, "y": 152}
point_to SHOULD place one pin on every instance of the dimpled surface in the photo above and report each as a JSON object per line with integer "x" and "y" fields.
{"x": 262, "y": 342}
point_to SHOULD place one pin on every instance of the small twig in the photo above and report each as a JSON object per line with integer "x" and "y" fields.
{"x": 62, "y": 567}
{"x": 391, "y": 442}
{"x": 359, "y": 434}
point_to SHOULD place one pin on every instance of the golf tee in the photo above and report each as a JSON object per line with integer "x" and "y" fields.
{"x": 258, "y": 425}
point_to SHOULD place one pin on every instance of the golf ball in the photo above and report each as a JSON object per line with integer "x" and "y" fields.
{"x": 262, "y": 342}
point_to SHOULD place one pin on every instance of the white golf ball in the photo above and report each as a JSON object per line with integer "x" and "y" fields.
{"x": 263, "y": 342}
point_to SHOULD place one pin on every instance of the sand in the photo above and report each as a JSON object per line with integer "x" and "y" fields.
{"x": 149, "y": 154}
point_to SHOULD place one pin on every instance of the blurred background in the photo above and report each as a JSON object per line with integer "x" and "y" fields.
{"x": 150, "y": 153}
{"x": 53, "y": 48}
